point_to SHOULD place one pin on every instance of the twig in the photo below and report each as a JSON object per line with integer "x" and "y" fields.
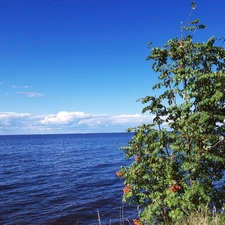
{"x": 99, "y": 219}
{"x": 122, "y": 215}
{"x": 128, "y": 221}
{"x": 189, "y": 16}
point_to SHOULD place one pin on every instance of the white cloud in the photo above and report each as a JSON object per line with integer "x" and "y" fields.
{"x": 80, "y": 119}
{"x": 11, "y": 115}
{"x": 9, "y": 118}
{"x": 136, "y": 118}
{"x": 30, "y": 94}
{"x": 63, "y": 117}
{"x": 95, "y": 120}
{"x": 68, "y": 122}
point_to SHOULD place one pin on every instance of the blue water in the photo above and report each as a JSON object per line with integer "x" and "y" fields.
{"x": 62, "y": 179}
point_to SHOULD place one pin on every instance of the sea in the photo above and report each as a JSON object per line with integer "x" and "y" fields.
{"x": 63, "y": 179}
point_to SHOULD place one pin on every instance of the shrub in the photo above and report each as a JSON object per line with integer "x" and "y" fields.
{"x": 179, "y": 158}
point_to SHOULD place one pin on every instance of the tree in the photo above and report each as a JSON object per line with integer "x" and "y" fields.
{"x": 179, "y": 158}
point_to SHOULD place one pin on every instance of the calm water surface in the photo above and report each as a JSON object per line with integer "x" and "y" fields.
{"x": 62, "y": 179}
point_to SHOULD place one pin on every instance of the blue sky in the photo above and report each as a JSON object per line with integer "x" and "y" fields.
{"x": 74, "y": 66}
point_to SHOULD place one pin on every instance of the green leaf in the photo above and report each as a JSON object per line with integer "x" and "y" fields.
{"x": 194, "y": 21}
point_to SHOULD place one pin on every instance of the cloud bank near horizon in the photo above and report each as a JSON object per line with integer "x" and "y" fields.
{"x": 67, "y": 122}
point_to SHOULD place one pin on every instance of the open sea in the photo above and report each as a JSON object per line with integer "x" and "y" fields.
{"x": 63, "y": 179}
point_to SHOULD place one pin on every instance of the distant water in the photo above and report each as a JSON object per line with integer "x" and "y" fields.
{"x": 62, "y": 179}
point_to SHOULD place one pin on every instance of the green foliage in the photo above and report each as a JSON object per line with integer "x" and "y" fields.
{"x": 180, "y": 156}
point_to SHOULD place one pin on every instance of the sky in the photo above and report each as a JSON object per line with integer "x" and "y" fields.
{"x": 78, "y": 66}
